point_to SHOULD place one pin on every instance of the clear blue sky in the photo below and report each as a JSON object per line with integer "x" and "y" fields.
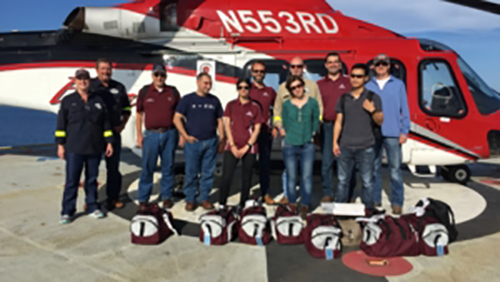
{"x": 473, "y": 34}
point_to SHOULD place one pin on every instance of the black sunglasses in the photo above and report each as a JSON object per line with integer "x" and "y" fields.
{"x": 295, "y": 87}
{"x": 243, "y": 87}
{"x": 357, "y": 75}
{"x": 296, "y": 66}
{"x": 160, "y": 74}
{"x": 381, "y": 64}
{"x": 258, "y": 71}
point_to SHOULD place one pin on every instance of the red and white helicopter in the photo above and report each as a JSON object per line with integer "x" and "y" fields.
{"x": 454, "y": 114}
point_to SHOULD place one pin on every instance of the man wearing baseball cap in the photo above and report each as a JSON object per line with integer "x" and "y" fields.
{"x": 394, "y": 130}
{"x": 156, "y": 105}
{"x": 83, "y": 133}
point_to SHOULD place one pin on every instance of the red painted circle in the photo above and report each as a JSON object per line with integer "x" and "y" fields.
{"x": 358, "y": 261}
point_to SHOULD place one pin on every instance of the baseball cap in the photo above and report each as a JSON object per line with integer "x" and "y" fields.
{"x": 159, "y": 68}
{"x": 82, "y": 74}
{"x": 381, "y": 58}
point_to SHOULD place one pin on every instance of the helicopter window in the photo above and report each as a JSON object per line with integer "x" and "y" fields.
{"x": 487, "y": 100}
{"x": 397, "y": 70}
{"x": 276, "y": 72}
{"x": 440, "y": 94}
{"x": 315, "y": 69}
{"x": 168, "y": 15}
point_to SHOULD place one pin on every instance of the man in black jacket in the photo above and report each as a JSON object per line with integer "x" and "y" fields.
{"x": 83, "y": 130}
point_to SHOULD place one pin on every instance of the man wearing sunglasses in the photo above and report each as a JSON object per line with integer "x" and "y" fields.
{"x": 265, "y": 96}
{"x": 331, "y": 87}
{"x": 115, "y": 96}
{"x": 156, "y": 105}
{"x": 358, "y": 114}
{"x": 395, "y": 130}
{"x": 311, "y": 89}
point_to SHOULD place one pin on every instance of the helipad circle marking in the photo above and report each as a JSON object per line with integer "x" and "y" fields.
{"x": 359, "y": 261}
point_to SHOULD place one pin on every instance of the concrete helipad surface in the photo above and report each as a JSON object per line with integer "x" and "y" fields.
{"x": 35, "y": 247}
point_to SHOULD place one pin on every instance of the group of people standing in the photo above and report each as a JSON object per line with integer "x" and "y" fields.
{"x": 353, "y": 117}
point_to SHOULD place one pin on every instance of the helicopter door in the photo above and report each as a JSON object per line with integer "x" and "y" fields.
{"x": 443, "y": 125}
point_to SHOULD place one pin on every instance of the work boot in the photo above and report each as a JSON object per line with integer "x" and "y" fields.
{"x": 168, "y": 204}
{"x": 115, "y": 204}
{"x": 397, "y": 210}
{"x": 283, "y": 201}
{"x": 207, "y": 205}
{"x": 190, "y": 207}
{"x": 268, "y": 200}
{"x": 327, "y": 199}
{"x": 303, "y": 212}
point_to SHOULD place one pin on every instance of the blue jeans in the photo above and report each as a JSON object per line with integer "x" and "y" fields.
{"x": 201, "y": 157}
{"x": 265, "y": 142}
{"x": 363, "y": 160}
{"x": 154, "y": 145}
{"x": 74, "y": 166}
{"x": 291, "y": 155}
{"x": 113, "y": 175}
{"x": 394, "y": 158}
{"x": 327, "y": 158}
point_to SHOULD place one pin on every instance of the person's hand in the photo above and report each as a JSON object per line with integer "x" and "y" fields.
{"x": 109, "y": 150}
{"x": 181, "y": 142}
{"x": 191, "y": 139}
{"x": 274, "y": 132}
{"x": 119, "y": 128}
{"x": 369, "y": 106}
{"x": 282, "y": 132}
{"x": 402, "y": 138}
{"x": 235, "y": 151}
{"x": 336, "y": 149}
{"x": 140, "y": 140}
{"x": 60, "y": 152}
{"x": 244, "y": 150}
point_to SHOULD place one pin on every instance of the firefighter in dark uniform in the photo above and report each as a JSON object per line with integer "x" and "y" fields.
{"x": 83, "y": 133}
{"x": 114, "y": 95}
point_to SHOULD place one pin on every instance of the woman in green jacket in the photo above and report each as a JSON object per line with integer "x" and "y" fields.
{"x": 301, "y": 121}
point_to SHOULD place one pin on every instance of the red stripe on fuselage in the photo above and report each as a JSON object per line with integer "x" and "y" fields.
{"x": 440, "y": 146}
{"x": 86, "y": 64}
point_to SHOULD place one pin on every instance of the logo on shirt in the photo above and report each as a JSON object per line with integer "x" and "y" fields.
{"x": 265, "y": 94}
{"x": 203, "y": 106}
{"x": 150, "y": 100}
{"x": 249, "y": 114}
{"x": 98, "y": 106}
{"x": 342, "y": 86}
{"x": 169, "y": 98}
{"x": 114, "y": 91}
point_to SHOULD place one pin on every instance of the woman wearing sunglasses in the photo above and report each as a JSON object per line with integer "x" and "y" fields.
{"x": 242, "y": 122}
{"x": 300, "y": 120}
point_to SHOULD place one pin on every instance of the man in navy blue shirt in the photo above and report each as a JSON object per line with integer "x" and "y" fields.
{"x": 202, "y": 114}
{"x": 395, "y": 129}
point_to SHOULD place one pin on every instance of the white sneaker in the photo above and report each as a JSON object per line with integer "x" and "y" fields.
{"x": 97, "y": 214}
{"x": 65, "y": 219}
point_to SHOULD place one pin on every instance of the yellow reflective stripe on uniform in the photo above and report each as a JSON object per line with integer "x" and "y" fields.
{"x": 320, "y": 118}
{"x": 277, "y": 119}
{"x": 108, "y": 133}
{"x": 60, "y": 133}
{"x": 127, "y": 108}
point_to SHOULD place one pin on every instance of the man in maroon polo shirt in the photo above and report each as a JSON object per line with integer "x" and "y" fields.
{"x": 156, "y": 105}
{"x": 265, "y": 96}
{"x": 242, "y": 123}
{"x": 331, "y": 87}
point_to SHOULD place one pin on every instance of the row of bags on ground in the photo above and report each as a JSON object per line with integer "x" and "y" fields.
{"x": 427, "y": 230}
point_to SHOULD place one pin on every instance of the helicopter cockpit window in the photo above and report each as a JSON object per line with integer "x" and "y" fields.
{"x": 276, "y": 72}
{"x": 440, "y": 94}
{"x": 397, "y": 69}
{"x": 168, "y": 15}
{"x": 315, "y": 69}
{"x": 487, "y": 100}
